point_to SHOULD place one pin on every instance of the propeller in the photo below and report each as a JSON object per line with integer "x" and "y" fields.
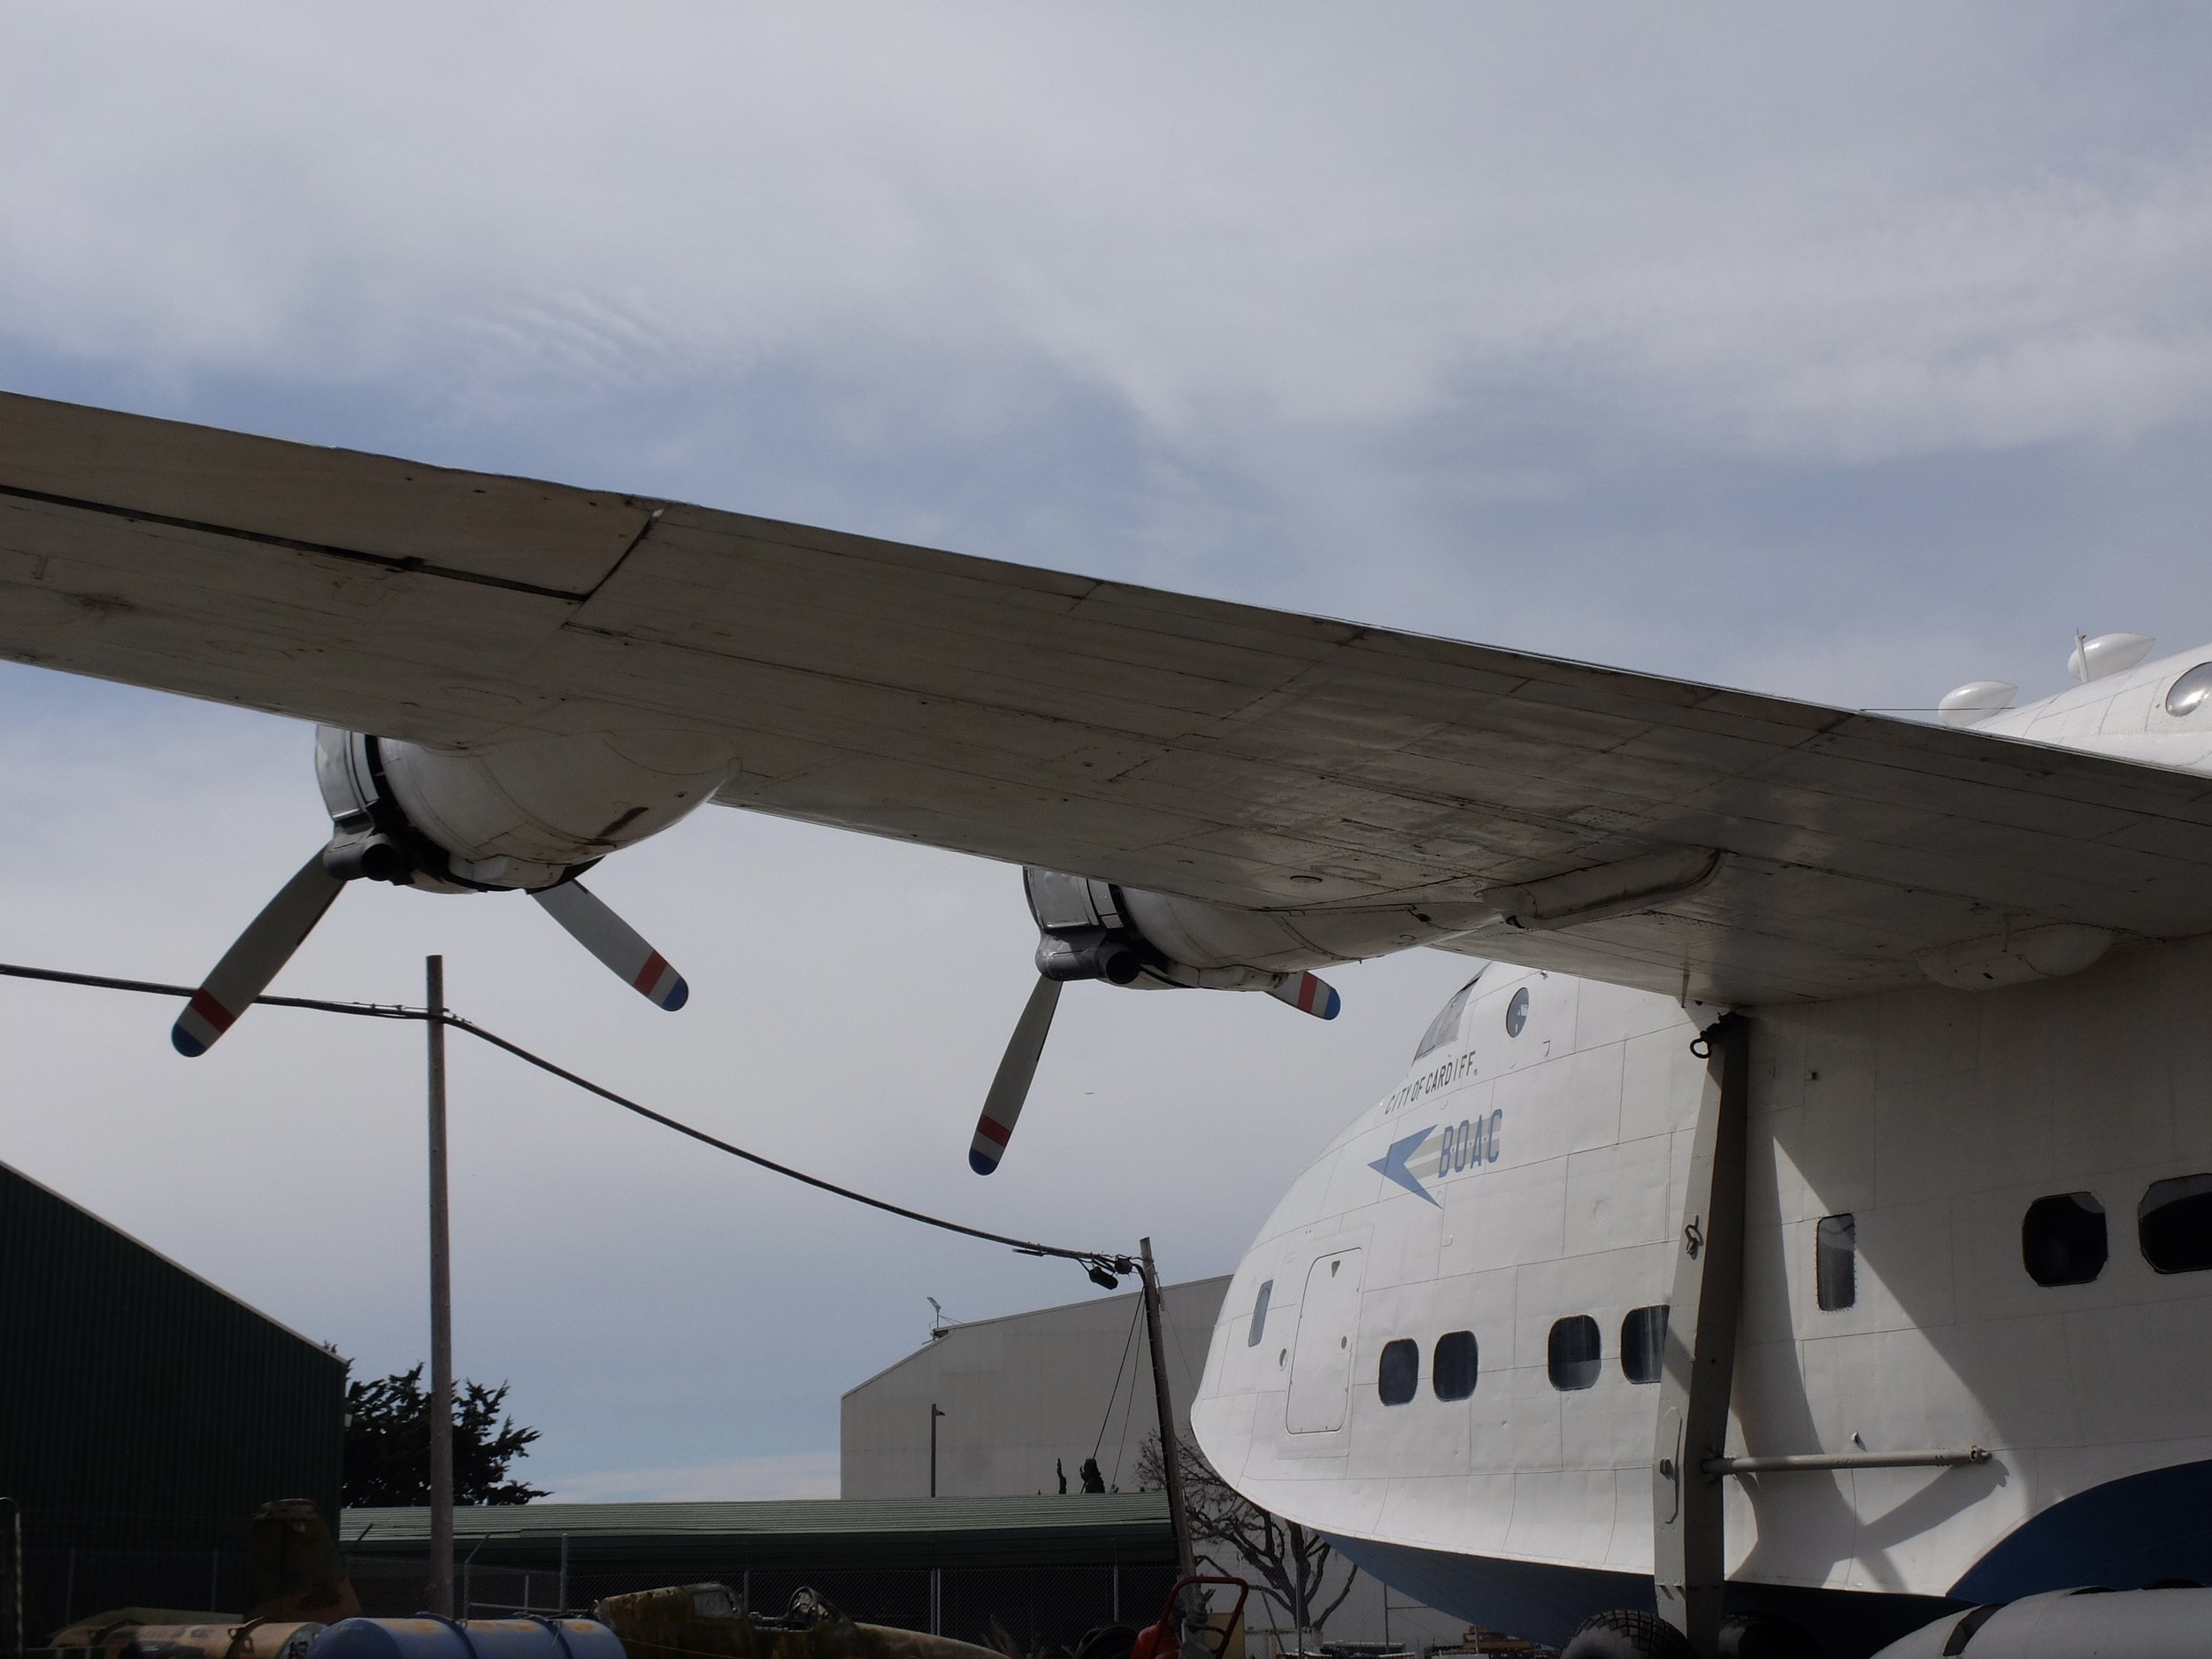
{"x": 1308, "y": 993}
{"x": 1003, "y": 1106}
{"x": 249, "y": 965}
{"x": 285, "y": 922}
{"x": 615, "y": 942}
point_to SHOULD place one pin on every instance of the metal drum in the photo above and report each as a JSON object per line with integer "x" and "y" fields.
{"x": 429, "y": 1637}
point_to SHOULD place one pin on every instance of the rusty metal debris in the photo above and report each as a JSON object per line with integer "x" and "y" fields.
{"x": 708, "y": 1621}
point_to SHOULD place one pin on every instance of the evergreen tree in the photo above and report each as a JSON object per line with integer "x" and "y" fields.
{"x": 388, "y": 1444}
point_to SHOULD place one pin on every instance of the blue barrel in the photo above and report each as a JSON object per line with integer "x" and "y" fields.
{"x": 429, "y": 1637}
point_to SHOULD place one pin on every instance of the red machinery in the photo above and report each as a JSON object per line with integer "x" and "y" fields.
{"x": 1166, "y": 1638}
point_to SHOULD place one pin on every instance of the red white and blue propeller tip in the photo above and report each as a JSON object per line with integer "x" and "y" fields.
{"x": 1009, "y": 1088}
{"x": 1309, "y": 994}
{"x": 615, "y": 942}
{"x": 254, "y": 958}
{"x": 989, "y": 1147}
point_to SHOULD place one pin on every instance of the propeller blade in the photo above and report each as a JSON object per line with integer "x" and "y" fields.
{"x": 249, "y": 965}
{"x": 1003, "y": 1106}
{"x": 1309, "y": 994}
{"x": 615, "y": 942}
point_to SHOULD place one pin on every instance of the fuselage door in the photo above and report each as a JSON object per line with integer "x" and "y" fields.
{"x": 1321, "y": 1356}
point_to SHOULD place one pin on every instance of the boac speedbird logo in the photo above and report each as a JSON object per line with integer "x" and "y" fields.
{"x": 1469, "y": 1144}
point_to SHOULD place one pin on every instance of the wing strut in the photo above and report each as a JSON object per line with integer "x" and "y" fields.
{"x": 1689, "y": 1550}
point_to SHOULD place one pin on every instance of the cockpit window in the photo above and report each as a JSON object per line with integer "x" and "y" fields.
{"x": 2188, "y": 694}
{"x": 1259, "y": 1314}
{"x": 1445, "y": 1027}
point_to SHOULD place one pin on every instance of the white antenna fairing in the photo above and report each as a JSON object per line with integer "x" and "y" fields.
{"x": 2107, "y": 654}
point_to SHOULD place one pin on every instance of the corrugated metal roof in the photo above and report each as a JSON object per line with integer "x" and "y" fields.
{"x": 1140, "y": 1511}
{"x": 1098, "y": 1528}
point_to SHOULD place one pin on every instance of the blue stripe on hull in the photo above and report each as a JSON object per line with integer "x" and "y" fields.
{"x": 2124, "y": 1534}
{"x": 1545, "y": 1603}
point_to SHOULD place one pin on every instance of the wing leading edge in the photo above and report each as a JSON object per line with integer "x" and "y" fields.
{"x": 1627, "y": 826}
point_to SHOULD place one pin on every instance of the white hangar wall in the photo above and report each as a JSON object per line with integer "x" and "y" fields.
{"x": 1022, "y": 1392}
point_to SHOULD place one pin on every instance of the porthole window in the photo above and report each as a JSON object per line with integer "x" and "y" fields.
{"x": 1516, "y": 1012}
{"x": 1643, "y": 1343}
{"x": 2063, "y": 1239}
{"x": 1572, "y": 1356}
{"x": 2188, "y": 694}
{"x": 1399, "y": 1377}
{"x": 1836, "y": 1263}
{"x": 1452, "y": 1373}
{"x": 1259, "y": 1314}
{"x": 2174, "y": 1223}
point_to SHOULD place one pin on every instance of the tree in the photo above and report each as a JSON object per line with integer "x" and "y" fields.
{"x": 388, "y": 1444}
{"x": 1291, "y": 1563}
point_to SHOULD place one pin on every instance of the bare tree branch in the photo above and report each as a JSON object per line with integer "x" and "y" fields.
{"x": 1291, "y": 1563}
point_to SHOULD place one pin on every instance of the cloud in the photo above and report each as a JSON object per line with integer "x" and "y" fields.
{"x": 770, "y": 1475}
{"x": 1847, "y": 356}
{"x": 1828, "y": 237}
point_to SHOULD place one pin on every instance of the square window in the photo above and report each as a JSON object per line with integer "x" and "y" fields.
{"x": 1453, "y": 1372}
{"x": 1399, "y": 1377}
{"x": 1572, "y": 1356}
{"x": 1643, "y": 1343}
{"x": 2063, "y": 1239}
{"x": 1836, "y": 1263}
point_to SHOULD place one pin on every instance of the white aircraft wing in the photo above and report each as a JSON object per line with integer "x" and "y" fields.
{"x": 1645, "y": 830}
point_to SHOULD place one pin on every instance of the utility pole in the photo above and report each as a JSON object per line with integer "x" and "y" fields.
{"x": 441, "y": 1309}
{"x": 1171, "y": 1443}
{"x": 934, "y": 1414}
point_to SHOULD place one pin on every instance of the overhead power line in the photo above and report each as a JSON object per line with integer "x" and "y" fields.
{"x": 1102, "y": 1264}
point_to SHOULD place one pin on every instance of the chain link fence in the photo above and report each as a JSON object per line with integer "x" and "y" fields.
{"x": 1040, "y": 1608}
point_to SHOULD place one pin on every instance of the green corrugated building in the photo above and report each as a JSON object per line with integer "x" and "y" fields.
{"x": 1045, "y": 1568}
{"x": 144, "y": 1415}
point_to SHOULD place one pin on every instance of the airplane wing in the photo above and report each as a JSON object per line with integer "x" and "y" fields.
{"x": 1635, "y": 828}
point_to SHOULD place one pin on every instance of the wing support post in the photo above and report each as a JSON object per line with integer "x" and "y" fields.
{"x": 1689, "y": 1546}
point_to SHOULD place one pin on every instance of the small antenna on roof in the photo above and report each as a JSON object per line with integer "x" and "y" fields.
{"x": 939, "y": 1324}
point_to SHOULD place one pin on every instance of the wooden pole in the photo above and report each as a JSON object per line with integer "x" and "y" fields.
{"x": 1171, "y": 1443}
{"x": 440, "y": 1310}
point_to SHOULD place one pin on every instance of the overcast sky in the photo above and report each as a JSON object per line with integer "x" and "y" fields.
{"x": 1848, "y": 355}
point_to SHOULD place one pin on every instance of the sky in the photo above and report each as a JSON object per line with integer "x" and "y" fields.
{"x": 1850, "y": 355}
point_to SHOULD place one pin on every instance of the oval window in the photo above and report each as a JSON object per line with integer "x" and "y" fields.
{"x": 1516, "y": 1012}
{"x": 1572, "y": 1356}
{"x": 1400, "y": 1373}
{"x": 2187, "y": 694}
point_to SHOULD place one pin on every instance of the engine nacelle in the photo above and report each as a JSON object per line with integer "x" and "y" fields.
{"x": 1091, "y": 929}
{"x": 2148, "y": 1624}
{"x": 524, "y": 815}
